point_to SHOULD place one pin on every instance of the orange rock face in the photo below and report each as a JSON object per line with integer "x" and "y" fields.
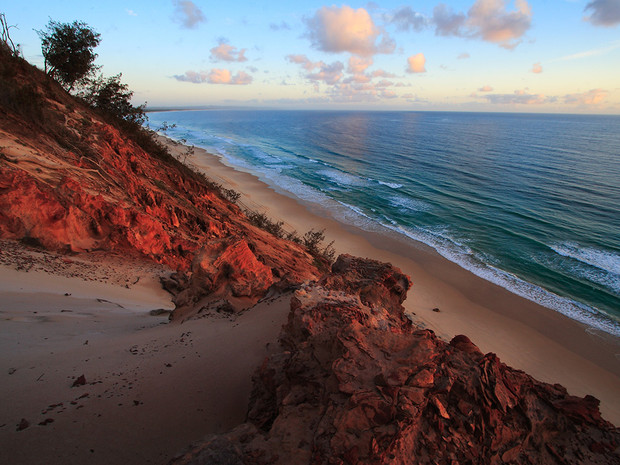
{"x": 356, "y": 383}
{"x": 72, "y": 182}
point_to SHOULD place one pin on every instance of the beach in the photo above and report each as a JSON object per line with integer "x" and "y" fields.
{"x": 149, "y": 387}
{"x": 95, "y": 371}
{"x": 527, "y": 336}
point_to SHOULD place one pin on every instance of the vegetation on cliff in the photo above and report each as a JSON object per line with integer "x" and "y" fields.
{"x": 81, "y": 173}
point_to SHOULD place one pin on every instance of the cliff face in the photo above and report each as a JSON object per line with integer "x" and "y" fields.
{"x": 356, "y": 383}
{"x": 72, "y": 182}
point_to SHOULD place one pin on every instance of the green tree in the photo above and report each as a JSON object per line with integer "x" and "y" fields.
{"x": 68, "y": 51}
{"x": 113, "y": 98}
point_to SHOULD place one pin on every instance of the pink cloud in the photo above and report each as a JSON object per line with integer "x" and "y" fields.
{"x": 334, "y": 29}
{"x": 359, "y": 78}
{"x": 416, "y": 63}
{"x": 486, "y": 89}
{"x": 537, "y": 68}
{"x": 382, "y": 73}
{"x": 304, "y": 61}
{"x": 215, "y": 76}
{"x": 489, "y": 20}
{"x": 592, "y": 97}
{"x": 358, "y": 65}
{"x": 330, "y": 74}
{"x": 227, "y": 52}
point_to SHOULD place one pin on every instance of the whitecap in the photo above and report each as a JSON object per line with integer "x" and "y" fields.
{"x": 393, "y": 185}
{"x": 405, "y": 204}
{"x": 342, "y": 178}
{"x": 602, "y": 259}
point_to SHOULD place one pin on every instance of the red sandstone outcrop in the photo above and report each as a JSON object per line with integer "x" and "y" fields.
{"x": 74, "y": 183}
{"x": 356, "y": 383}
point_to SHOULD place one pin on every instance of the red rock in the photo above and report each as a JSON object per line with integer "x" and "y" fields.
{"x": 79, "y": 381}
{"x": 106, "y": 193}
{"x": 360, "y": 384}
{"x": 22, "y": 425}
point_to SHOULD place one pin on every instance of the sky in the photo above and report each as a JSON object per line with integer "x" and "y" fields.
{"x": 551, "y": 56}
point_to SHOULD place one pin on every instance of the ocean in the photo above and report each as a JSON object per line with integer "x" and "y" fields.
{"x": 527, "y": 201}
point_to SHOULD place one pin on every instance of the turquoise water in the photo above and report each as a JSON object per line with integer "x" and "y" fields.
{"x": 529, "y": 202}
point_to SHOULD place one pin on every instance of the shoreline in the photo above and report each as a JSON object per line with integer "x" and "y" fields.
{"x": 525, "y": 335}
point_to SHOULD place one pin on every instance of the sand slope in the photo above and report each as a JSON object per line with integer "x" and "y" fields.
{"x": 151, "y": 387}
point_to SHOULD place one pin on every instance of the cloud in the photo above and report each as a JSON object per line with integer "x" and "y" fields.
{"x": 131, "y": 12}
{"x": 304, "y": 61}
{"x": 188, "y": 14}
{"x": 519, "y": 97}
{"x": 463, "y": 56}
{"x": 330, "y": 74}
{"x": 604, "y": 12}
{"x": 416, "y": 63}
{"x": 283, "y": 26}
{"x": 592, "y": 97}
{"x": 591, "y": 53}
{"x": 486, "y": 89}
{"x": 226, "y": 52}
{"x": 488, "y": 20}
{"x": 334, "y": 29}
{"x": 359, "y": 78}
{"x": 382, "y": 73}
{"x": 215, "y": 76}
{"x": 405, "y": 19}
{"x": 446, "y": 22}
{"x": 537, "y": 68}
{"x": 358, "y": 64}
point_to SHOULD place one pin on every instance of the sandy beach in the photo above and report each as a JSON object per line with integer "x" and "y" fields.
{"x": 149, "y": 387}
{"x": 525, "y": 335}
{"x": 92, "y": 371}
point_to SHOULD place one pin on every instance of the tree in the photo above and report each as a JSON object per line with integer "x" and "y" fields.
{"x": 5, "y": 37}
{"x": 68, "y": 51}
{"x": 113, "y": 98}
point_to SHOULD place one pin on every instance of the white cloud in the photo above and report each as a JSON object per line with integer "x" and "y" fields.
{"x": 282, "y": 26}
{"x": 519, "y": 97}
{"x": 604, "y": 12}
{"x": 489, "y": 20}
{"x": 591, "y": 53}
{"x": 227, "y": 52}
{"x": 188, "y": 14}
{"x": 334, "y": 29}
{"x": 463, "y": 56}
{"x": 405, "y": 19}
{"x": 416, "y": 63}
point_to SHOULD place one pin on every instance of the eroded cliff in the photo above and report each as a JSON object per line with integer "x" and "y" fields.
{"x": 355, "y": 382}
{"x": 74, "y": 182}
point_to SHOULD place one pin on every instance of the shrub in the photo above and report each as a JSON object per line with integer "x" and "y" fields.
{"x": 68, "y": 51}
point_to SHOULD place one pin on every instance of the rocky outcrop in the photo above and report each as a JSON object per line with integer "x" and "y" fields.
{"x": 356, "y": 383}
{"x": 72, "y": 182}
